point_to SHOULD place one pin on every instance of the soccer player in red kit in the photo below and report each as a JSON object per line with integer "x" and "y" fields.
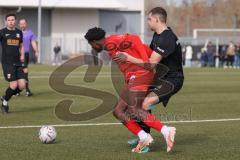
{"x": 137, "y": 80}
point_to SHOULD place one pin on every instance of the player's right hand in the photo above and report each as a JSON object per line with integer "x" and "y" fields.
{"x": 22, "y": 58}
{"x": 36, "y": 54}
{"x": 120, "y": 57}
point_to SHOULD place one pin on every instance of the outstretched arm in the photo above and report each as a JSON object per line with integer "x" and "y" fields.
{"x": 35, "y": 47}
{"x": 160, "y": 51}
{"x": 151, "y": 64}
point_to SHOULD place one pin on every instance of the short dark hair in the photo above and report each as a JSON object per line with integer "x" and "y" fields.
{"x": 160, "y": 12}
{"x": 11, "y": 14}
{"x": 95, "y": 33}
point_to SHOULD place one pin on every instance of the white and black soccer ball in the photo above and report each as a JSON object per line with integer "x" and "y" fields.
{"x": 47, "y": 134}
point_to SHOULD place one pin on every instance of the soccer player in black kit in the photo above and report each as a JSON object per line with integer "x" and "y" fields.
{"x": 166, "y": 59}
{"x": 11, "y": 40}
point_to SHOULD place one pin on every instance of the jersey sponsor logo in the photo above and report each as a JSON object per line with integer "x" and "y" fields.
{"x": 7, "y": 35}
{"x": 177, "y": 42}
{"x": 13, "y": 42}
{"x": 110, "y": 46}
{"x": 160, "y": 50}
{"x": 8, "y": 76}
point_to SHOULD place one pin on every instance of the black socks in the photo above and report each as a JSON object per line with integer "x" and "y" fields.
{"x": 9, "y": 93}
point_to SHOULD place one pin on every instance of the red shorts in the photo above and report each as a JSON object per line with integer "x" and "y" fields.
{"x": 139, "y": 81}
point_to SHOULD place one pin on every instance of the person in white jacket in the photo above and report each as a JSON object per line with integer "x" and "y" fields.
{"x": 188, "y": 56}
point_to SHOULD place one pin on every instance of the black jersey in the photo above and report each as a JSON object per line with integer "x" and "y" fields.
{"x": 167, "y": 45}
{"x": 11, "y": 40}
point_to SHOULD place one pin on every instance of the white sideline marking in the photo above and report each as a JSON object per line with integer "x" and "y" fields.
{"x": 110, "y": 124}
{"x": 71, "y": 76}
{"x": 77, "y": 76}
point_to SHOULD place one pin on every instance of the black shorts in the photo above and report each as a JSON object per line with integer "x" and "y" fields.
{"x": 26, "y": 59}
{"x": 13, "y": 72}
{"x": 166, "y": 87}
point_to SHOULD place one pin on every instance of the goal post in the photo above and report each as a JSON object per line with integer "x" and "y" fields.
{"x": 212, "y": 30}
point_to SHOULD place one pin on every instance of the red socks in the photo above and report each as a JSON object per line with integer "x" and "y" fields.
{"x": 133, "y": 126}
{"x": 152, "y": 122}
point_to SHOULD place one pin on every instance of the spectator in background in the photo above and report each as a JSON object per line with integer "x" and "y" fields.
{"x": 237, "y": 56}
{"x": 230, "y": 54}
{"x": 199, "y": 55}
{"x": 188, "y": 56}
{"x": 57, "y": 55}
{"x": 204, "y": 57}
{"x": 222, "y": 55}
{"x": 210, "y": 54}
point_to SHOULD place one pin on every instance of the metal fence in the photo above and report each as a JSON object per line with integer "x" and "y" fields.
{"x": 72, "y": 47}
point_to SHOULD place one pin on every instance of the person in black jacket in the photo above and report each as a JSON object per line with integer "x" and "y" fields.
{"x": 57, "y": 55}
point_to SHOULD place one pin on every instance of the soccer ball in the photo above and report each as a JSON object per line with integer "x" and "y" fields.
{"x": 47, "y": 134}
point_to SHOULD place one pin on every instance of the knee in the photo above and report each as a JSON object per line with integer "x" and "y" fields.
{"x": 146, "y": 104}
{"x": 13, "y": 85}
{"x": 133, "y": 112}
{"x": 21, "y": 86}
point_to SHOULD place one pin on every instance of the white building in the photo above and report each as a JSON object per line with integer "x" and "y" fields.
{"x": 66, "y": 21}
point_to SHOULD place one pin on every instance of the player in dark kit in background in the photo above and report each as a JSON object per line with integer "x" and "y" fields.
{"x": 166, "y": 59}
{"x": 11, "y": 39}
{"x": 29, "y": 38}
{"x": 167, "y": 56}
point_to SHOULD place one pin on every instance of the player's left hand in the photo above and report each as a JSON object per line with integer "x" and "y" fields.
{"x": 22, "y": 58}
{"x": 121, "y": 57}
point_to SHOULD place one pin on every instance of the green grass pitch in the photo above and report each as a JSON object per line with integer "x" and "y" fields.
{"x": 207, "y": 94}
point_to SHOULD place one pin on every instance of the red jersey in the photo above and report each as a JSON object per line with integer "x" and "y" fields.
{"x": 134, "y": 47}
{"x": 136, "y": 77}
